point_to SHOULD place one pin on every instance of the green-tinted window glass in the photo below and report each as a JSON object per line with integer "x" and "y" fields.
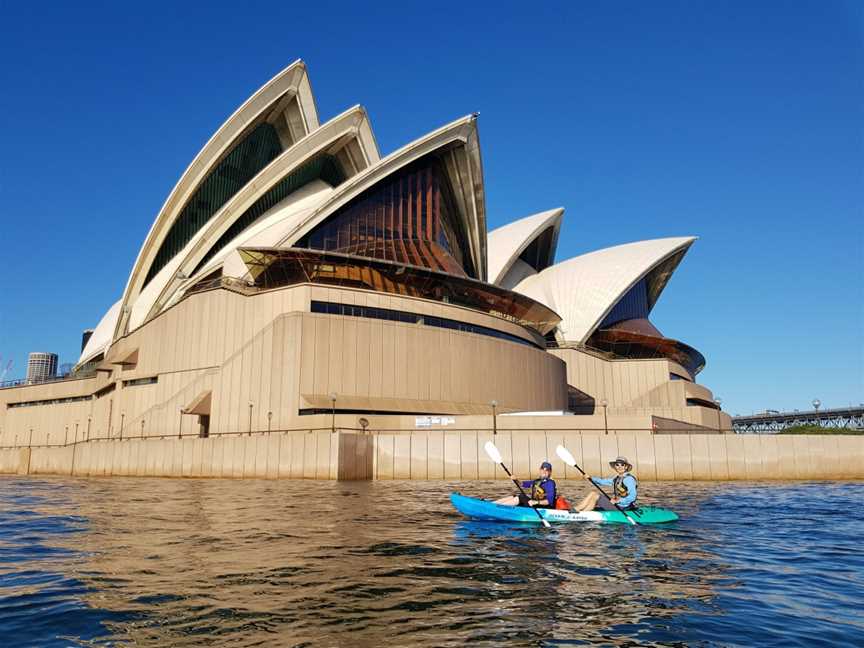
{"x": 324, "y": 167}
{"x": 239, "y": 166}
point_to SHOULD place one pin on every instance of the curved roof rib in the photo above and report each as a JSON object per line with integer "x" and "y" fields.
{"x": 508, "y": 243}
{"x": 457, "y": 147}
{"x": 584, "y": 290}
{"x": 344, "y": 145}
{"x": 283, "y": 109}
{"x": 102, "y": 335}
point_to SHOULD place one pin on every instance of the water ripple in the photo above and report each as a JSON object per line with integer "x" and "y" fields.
{"x": 248, "y": 563}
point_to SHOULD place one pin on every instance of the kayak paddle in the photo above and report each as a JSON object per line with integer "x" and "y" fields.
{"x": 565, "y": 456}
{"x": 495, "y": 456}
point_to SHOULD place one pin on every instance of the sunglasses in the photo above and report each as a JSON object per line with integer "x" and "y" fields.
{"x": 618, "y": 463}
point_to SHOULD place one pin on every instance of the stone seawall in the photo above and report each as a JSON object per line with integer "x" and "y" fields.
{"x": 448, "y": 455}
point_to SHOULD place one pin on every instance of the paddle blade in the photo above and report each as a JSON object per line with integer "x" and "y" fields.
{"x": 493, "y": 453}
{"x": 565, "y": 456}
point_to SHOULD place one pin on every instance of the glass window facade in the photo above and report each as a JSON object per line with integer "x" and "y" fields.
{"x": 277, "y": 267}
{"x": 323, "y": 167}
{"x": 151, "y": 380}
{"x": 253, "y": 152}
{"x": 409, "y": 218}
{"x": 633, "y": 305}
{"x": 390, "y": 315}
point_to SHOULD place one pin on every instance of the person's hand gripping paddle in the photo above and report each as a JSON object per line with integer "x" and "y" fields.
{"x": 495, "y": 456}
{"x": 565, "y": 456}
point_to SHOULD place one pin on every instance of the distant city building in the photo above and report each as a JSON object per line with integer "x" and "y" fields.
{"x": 41, "y": 367}
{"x": 85, "y": 337}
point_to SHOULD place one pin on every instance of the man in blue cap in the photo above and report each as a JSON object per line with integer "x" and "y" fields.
{"x": 541, "y": 494}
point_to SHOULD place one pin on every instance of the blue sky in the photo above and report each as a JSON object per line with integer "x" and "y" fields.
{"x": 738, "y": 122}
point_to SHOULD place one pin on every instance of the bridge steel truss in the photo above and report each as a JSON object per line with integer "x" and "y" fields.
{"x": 849, "y": 418}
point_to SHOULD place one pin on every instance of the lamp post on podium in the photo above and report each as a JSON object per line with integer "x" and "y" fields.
{"x": 605, "y": 404}
{"x": 332, "y": 412}
{"x": 494, "y": 417}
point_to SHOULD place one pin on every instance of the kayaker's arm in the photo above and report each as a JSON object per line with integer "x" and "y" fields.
{"x": 600, "y": 481}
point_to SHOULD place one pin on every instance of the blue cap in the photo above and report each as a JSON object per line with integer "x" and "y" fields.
{"x": 546, "y": 465}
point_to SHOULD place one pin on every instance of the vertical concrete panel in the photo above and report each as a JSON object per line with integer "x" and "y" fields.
{"x": 361, "y": 358}
{"x": 452, "y": 455}
{"x": 572, "y": 441}
{"x": 230, "y": 457}
{"x": 770, "y": 456}
{"x": 271, "y": 467}
{"x": 250, "y": 455}
{"x": 376, "y": 357}
{"x": 554, "y": 438}
{"x": 388, "y": 360}
{"x": 735, "y": 456}
{"x": 211, "y": 461}
{"x": 283, "y": 470}
{"x": 536, "y": 452}
{"x": 818, "y": 456}
{"x": 785, "y": 455}
{"x": 310, "y": 455}
{"x": 520, "y": 463}
{"x": 504, "y": 442}
{"x": 682, "y": 459}
{"x": 591, "y": 455}
{"x": 700, "y": 457}
{"x": 752, "y": 456}
{"x": 848, "y": 457}
{"x": 197, "y": 450}
{"x": 470, "y": 458}
{"x": 322, "y": 454}
{"x": 298, "y": 454}
{"x": 419, "y": 456}
{"x": 627, "y": 448}
{"x": 485, "y": 467}
{"x": 188, "y": 446}
{"x": 384, "y": 462}
{"x": 435, "y": 455}
{"x": 238, "y": 456}
{"x": 608, "y": 452}
{"x": 402, "y": 456}
{"x": 664, "y": 459}
{"x": 719, "y": 461}
{"x": 801, "y": 450}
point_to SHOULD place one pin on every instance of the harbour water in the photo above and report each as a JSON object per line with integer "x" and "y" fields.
{"x": 159, "y": 562}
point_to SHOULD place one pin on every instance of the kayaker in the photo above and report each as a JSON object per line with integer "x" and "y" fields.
{"x": 541, "y": 491}
{"x": 624, "y": 489}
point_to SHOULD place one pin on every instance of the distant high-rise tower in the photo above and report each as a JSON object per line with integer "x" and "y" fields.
{"x": 41, "y": 367}
{"x": 85, "y": 337}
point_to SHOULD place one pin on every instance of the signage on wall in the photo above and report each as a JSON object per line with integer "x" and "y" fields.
{"x": 429, "y": 421}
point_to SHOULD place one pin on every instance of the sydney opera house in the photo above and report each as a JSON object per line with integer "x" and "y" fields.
{"x": 295, "y": 277}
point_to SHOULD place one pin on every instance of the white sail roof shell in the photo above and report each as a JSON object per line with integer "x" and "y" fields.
{"x": 506, "y": 243}
{"x": 583, "y": 290}
{"x": 102, "y": 334}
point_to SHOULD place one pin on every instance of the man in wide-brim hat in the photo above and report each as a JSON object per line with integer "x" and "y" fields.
{"x": 624, "y": 486}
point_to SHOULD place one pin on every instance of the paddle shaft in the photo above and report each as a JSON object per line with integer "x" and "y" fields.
{"x": 522, "y": 490}
{"x": 597, "y": 486}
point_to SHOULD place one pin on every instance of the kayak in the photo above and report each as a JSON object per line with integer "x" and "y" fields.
{"x": 485, "y": 510}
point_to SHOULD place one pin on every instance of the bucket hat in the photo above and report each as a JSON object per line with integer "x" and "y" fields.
{"x": 621, "y": 460}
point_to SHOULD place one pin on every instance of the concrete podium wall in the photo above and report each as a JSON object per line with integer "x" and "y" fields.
{"x": 459, "y": 455}
{"x": 291, "y": 455}
{"x": 449, "y": 455}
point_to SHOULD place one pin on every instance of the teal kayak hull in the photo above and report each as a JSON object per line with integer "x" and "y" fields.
{"x": 479, "y": 509}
